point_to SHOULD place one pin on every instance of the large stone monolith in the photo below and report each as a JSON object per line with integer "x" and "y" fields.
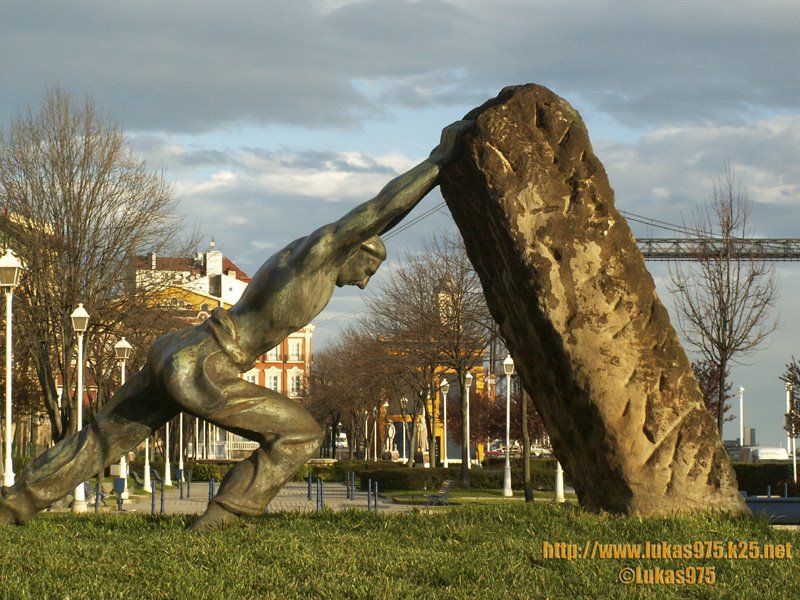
{"x": 591, "y": 340}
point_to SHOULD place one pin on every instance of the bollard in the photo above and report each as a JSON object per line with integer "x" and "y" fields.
{"x": 119, "y": 487}
{"x": 347, "y": 485}
{"x": 319, "y": 494}
{"x": 153, "y": 502}
{"x": 189, "y": 484}
{"x": 375, "y": 500}
{"x": 369, "y": 494}
{"x": 180, "y": 487}
{"x": 97, "y": 497}
{"x": 162, "y": 496}
{"x": 353, "y": 485}
{"x": 785, "y": 489}
{"x": 211, "y": 489}
{"x": 309, "y": 485}
{"x": 769, "y": 491}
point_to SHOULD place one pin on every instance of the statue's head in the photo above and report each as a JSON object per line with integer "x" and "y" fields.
{"x": 363, "y": 263}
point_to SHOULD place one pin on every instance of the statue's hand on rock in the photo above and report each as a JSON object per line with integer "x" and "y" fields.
{"x": 450, "y": 145}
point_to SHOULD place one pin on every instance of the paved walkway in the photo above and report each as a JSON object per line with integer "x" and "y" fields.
{"x": 293, "y": 497}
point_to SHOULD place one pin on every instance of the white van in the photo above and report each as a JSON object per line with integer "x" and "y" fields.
{"x": 759, "y": 454}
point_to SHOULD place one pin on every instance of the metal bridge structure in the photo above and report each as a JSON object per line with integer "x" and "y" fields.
{"x": 688, "y": 248}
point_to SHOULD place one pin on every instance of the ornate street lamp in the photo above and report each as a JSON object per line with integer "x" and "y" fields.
{"x": 80, "y": 322}
{"x": 508, "y": 368}
{"x": 10, "y": 269}
{"x": 444, "y": 387}
{"x": 468, "y": 383}
{"x": 122, "y": 350}
{"x": 386, "y": 426}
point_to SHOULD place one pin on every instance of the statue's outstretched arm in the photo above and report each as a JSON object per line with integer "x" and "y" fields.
{"x": 401, "y": 194}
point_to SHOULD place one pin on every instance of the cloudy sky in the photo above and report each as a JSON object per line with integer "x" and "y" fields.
{"x": 272, "y": 118}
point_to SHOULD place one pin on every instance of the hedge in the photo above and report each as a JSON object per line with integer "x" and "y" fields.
{"x": 542, "y": 477}
{"x": 755, "y": 477}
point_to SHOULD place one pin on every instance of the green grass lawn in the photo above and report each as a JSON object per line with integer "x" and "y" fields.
{"x": 464, "y": 552}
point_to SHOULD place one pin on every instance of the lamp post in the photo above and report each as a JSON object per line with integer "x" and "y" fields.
{"x": 375, "y": 434}
{"x": 167, "y": 468}
{"x": 403, "y": 405}
{"x": 10, "y": 269}
{"x": 122, "y": 350}
{"x": 468, "y": 381}
{"x": 180, "y": 447}
{"x": 80, "y": 322}
{"x": 508, "y": 368}
{"x": 741, "y": 416}
{"x": 387, "y": 441}
{"x": 444, "y": 387}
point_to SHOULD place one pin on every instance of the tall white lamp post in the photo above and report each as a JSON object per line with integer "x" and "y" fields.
{"x": 386, "y": 426}
{"x": 167, "y": 468}
{"x": 122, "y": 350}
{"x": 508, "y": 368}
{"x": 180, "y": 446}
{"x": 80, "y": 322}
{"x": 375, "y": 434}
{"x": 741, "y": 416}
{"x": 10, "y": 269}
{"x": 468, "y": 381}
{"x": 403, "y": 405}
{"x": 444, "y": 387}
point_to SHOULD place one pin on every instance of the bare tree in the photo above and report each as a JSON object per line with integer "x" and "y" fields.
{"x": 76, "y": 207}
{"x": 432, "y": 310}
{"x": 349, "y": 380}
{"x": 724, "y": 299}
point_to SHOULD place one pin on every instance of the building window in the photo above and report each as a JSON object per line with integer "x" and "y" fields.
{"x": 272, "y": 382}
{"x": 251, "y": 376}
{"x": 274, "y": 355}
{"x": 296, "y": 350}
{"x": 295, "y": 385}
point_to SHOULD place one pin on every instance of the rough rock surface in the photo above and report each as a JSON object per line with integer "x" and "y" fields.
{"x": 569, "y": 288}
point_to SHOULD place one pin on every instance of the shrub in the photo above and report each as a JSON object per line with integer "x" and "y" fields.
{"x": 755, "y": 477}
{"x": 406, "y": 479}
{"x": 334, "y": 472}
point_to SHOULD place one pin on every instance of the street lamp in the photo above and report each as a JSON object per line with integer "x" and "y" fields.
{"x": 741, "y": 416}
{"x": 80, "y": 322}
{"x": 386, "y": 426}
{"x": 375, "y": 434}
{"x": 444, "y": 387}
{"x": 122, "y": 350}
{"x": 468, "y": 381}
{"x": 180, "y": 447}
{"x": 167, "y": 467}
{"x": 508, "y": 368}
{"x": 10, "y": 269}
{"x": 403, "y": 405}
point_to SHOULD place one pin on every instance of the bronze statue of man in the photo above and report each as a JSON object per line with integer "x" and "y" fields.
{"x": 196, "y": 370}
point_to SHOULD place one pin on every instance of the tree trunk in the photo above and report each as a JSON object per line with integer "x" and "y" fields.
{"x": 723, "y": 368}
